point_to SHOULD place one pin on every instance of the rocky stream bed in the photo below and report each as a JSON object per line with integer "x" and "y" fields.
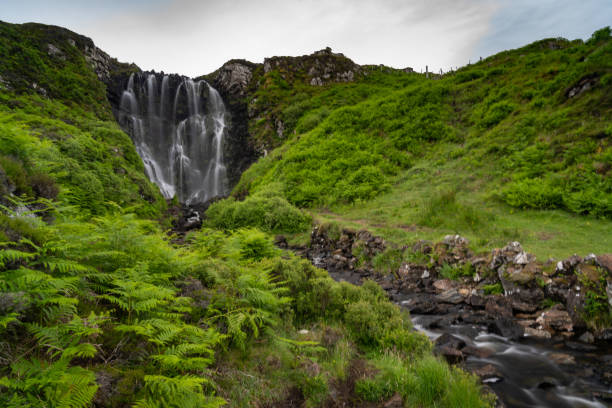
{"x": 530, "y": 344}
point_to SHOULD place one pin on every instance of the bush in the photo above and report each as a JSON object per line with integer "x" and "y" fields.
{"x": 265, "y": 210}
{"x": 533, "y": 193}
{"x": 455, "y": 272}
{"x": 496, "y": 113}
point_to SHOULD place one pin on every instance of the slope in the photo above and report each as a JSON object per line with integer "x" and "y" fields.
{"x": 516, "y": 146}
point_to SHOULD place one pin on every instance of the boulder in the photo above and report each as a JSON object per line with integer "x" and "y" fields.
{"x": 556, "y": 319}
{"x": 449, "y": 347}
{"x": 444, "y": 285}
{"x": 488, "y": 372}
{"x": 507, "y": 327}
{"x": 537, "y": 333}
{"x": 450, "y": 296}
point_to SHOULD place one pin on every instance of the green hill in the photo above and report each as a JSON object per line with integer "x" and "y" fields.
{"x": 514, "y": 147}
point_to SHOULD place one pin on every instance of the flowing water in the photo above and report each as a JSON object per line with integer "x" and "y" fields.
{"x": 529, "y": 373}
{"x": 178, "y": 135}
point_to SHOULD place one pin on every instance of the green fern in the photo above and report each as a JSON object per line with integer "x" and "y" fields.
{"x": 40, "y": 383}
{"x": 176, "y": 392}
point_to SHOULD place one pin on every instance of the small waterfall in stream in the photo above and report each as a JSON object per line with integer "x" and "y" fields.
{"x": 179, "y": 137}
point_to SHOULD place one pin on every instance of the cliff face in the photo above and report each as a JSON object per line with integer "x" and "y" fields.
{"x": 257, "y": 124}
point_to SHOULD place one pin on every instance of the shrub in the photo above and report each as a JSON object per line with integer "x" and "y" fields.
{"x": 265, "y": 210}
{"x": 456, "y": 271}
{"x": 496, "y": 113}
{"x": 494, "y": 289}
{"x": 533, "y": 193}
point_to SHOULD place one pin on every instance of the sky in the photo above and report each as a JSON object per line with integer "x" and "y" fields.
{"x": 195, "y": 37}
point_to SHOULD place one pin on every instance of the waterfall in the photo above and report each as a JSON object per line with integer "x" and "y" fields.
{"x": 178, "y": 137}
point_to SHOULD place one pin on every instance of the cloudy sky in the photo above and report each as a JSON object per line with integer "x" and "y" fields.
{"x": 195, "y": 37}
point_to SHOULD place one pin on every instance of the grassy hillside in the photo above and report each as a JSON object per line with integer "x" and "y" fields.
{"x": 57, "y": 131}
{"x": 515, "y": 147}
{"x": 98, "y": 306}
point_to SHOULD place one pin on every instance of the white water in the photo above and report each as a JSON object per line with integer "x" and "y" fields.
{"x": 183, "y": 157}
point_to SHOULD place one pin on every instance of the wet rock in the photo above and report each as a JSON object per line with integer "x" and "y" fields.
{"x": 605, "y": 335}
{"x": 498, "y": 306}
{"x": 556, "y": 319}
{"x": 507, "y": 327}
{"x": 488, "y": 372}
{"x": 480, "y": 352}
{"x": 450, "y": 296}
{"x": 536, "y": 333}
{"x": 477, "y": 317}
{"x": 562, "y": 358}
{"x": 449, "y": 347}
{"x": 420, "y": 304}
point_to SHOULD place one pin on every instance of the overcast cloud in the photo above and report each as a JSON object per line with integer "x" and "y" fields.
{"x": 194, "y": 37}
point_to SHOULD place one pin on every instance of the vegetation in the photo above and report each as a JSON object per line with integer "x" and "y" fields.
{"x": 515, "y": 147}
{"x": 99, "y": 305}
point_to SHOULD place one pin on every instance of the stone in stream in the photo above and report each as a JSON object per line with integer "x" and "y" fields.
{"x": 537, "y": 333}
{"x": 488, "y": 372}
{"x": 448, "y": 346}
{"x": 507, "y": 327}
{"x": 562, "y": 358}
{"x": 480, "y": 352}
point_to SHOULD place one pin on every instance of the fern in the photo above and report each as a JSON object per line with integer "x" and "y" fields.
{"x": 176, "y": 392}
{"x": 64, "y": 340}
{"x": 40, "y": 383}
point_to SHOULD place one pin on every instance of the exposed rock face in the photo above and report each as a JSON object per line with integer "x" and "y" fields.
{"x": 234, "y": 78}
{"x": 322, "y": 67}
{"x": 100, "y": 61}
{"x": 232, "y": 81}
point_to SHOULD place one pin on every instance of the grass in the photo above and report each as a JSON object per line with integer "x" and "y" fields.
{"x": 497, "y": 151}
{"x": 405, "y": 214}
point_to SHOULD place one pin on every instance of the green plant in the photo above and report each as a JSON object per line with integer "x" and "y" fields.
{"x": 456, "y": 271}
{"x": 493, "y": 289}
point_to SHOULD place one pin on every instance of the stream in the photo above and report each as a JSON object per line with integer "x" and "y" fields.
{"x": 526, "y": 372}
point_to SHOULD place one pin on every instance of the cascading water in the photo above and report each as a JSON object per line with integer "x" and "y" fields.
{"x": 179, "y": 137}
